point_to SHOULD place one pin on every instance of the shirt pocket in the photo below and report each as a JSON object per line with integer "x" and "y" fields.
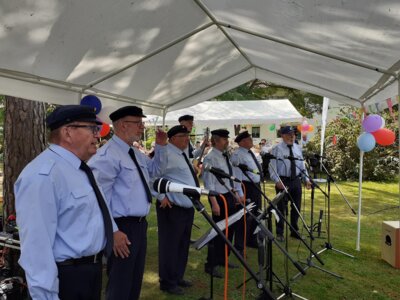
{"x": 81, "y": 201}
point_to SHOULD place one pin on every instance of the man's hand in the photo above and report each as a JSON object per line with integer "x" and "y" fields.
{"x": 279, "y": 185}
{"x": 161, "y": 137}
{"x": 215, "y": 207}
{"x": 121, "y": 244}
{"x": 165, "y": 203}
{"x": 308, "y": 185}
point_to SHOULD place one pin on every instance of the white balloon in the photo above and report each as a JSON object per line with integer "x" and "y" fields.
{"x": 383, "y": 122}
{"x": 105, "y": 113}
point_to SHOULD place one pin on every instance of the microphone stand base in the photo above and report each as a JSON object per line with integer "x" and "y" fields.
{"x": 328, "y": 246}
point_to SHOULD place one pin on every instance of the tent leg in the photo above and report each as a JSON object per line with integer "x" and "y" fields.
{"x": 359, "y": 201}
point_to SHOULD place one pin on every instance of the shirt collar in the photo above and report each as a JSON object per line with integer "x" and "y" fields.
{"x": 121, "y": 144}
{"x": 70, "y": 157}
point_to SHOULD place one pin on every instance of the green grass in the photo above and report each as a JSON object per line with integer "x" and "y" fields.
{"x": 366, "y": 276}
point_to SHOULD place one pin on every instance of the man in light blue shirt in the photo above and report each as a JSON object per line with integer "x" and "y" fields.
{"x": 61, "y": 220}
{"x": 124, "y": 174}
{"x": 244, "y": 156}
{"x": 175, "y": 214}
{"x": 290, "y": 171}
{"x": 218, "y": 157}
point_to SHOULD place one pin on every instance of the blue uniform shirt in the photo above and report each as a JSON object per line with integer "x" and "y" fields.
{"x": 117, "y": 174}
{"x": 242, "y": 156}
{"x": 58, "y": 217}
{"x": 216, "y": 159}
{"x": 282, "y": 165}
{"x": 177, "y": 171}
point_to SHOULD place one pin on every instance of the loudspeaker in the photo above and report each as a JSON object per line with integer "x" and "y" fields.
{"x": 390, "y": 243}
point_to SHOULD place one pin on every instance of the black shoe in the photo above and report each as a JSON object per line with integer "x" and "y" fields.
{"x": 175, "y": 290}
{"x": 185, "y": 283}
{"x": 215, "y": 272}
{"x": 280, "y": 238}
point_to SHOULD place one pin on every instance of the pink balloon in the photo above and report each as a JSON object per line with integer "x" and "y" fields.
{"x": 372, "y": 123}
{"x": 305, "y": 127}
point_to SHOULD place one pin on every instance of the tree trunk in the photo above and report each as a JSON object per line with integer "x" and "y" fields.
{"x": 24, "y": 139}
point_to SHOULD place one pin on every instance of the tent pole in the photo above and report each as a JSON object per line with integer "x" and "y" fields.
{"x": 398, "y": 127}
{"x": 359, "y": 201}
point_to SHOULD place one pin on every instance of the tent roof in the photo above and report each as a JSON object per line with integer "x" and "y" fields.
{"x": 170, "y": 54}
{"x": 223, "y": 113}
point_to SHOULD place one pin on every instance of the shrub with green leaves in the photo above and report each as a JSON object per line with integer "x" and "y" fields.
{"x": 380, "y": 164}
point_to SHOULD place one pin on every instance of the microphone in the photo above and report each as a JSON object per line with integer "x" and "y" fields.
{"x": 162, "y": 185}
{"x": 219, "y": 173}
{"x": 245, "y": 168}
{"x": 292, "y": 158}
{"x": 269, "y": 156}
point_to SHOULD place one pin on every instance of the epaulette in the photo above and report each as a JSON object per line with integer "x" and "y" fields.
{"x": 46, "y": 167}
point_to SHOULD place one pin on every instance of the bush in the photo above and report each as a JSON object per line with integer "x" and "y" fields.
{"x": 380, "y": 164}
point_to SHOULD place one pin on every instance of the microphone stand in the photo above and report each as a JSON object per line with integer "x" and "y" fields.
{"x": 201, "y": 209}
{"x": 267, "y": 214}
{"x": 264, "y": 231}
{"x": 309, "y": 263}
{"x": 328, "y": 245}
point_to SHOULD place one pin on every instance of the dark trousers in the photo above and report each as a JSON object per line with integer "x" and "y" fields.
{"x": 125, "y": 275}
{"x": 255, "y": 196}
{"x": 174, "y": 231}
{"x": 80, "y": 282}
{"x": 216, "y": 247}
{"x": 294, "y": 188}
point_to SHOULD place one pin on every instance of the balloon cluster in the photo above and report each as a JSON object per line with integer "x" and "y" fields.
{"x": 93, "y": 101}
{"x": 375, "y": 133}
{"x": 305, "y": 127}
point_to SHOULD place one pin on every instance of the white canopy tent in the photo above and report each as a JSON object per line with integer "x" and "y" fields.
{"x": 170, "y": 54}
{"x": 223, "y": 113}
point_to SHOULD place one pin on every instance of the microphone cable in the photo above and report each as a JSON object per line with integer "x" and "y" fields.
{"x": 226, "y": 248}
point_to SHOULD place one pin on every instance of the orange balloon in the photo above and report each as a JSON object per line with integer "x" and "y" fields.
{"x": 384, "y": 136}
{"x": 310, "y": 128}
{"x": 105, "y": 130}
{"x": 299, "y": 128}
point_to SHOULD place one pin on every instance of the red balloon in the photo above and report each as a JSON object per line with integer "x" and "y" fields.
{"x": 105, "y": 130}
{"x": 384, "y": 136}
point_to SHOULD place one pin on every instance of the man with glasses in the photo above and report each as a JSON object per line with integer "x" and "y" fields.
{"x": 124, "y": 174}
{"x": 175, "y": 215}
{"x": 63, "y": 220}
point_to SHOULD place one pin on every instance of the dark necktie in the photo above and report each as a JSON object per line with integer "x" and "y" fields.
{"x": 146, "y": 187}
{"x": 196, "y": 180}
{"x": 257, "y": 164}
{"x": 103, "y": 208}
{"x": 190, "y": 150}
{"x": 292, "y": 163}
{"x": 229, "y": 168}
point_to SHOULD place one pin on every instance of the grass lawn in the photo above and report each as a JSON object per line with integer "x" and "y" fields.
{"x": 366, "y": 276}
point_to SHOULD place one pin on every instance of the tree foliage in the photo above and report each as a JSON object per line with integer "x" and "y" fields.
{"x": 307, "y": 104}
{"x": 380, "y": 164}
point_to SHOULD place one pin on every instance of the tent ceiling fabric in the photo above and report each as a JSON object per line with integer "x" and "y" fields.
{"x": 224, "y": 113}
{"x": 170, "y": 54}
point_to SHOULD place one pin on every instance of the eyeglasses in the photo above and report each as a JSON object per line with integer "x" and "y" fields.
{"x": 139, "y": 123}
{"x": 94, "y": 128}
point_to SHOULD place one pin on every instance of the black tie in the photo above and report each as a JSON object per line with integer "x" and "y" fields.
{"x": 103, "y": 208}
{"x": 190, "y": 150}
{"x": 257, "y": 164}
{"x": 146, "y": 187}
{"x": 229, "y": 168}
{"x": 196, "y": 180}
{"x": 292, "y": 163}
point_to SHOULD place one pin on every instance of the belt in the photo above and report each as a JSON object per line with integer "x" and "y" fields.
{"x": 86, "y": 260}
{"x": 132, "y": 219}
{"x": 289, "y": 179}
